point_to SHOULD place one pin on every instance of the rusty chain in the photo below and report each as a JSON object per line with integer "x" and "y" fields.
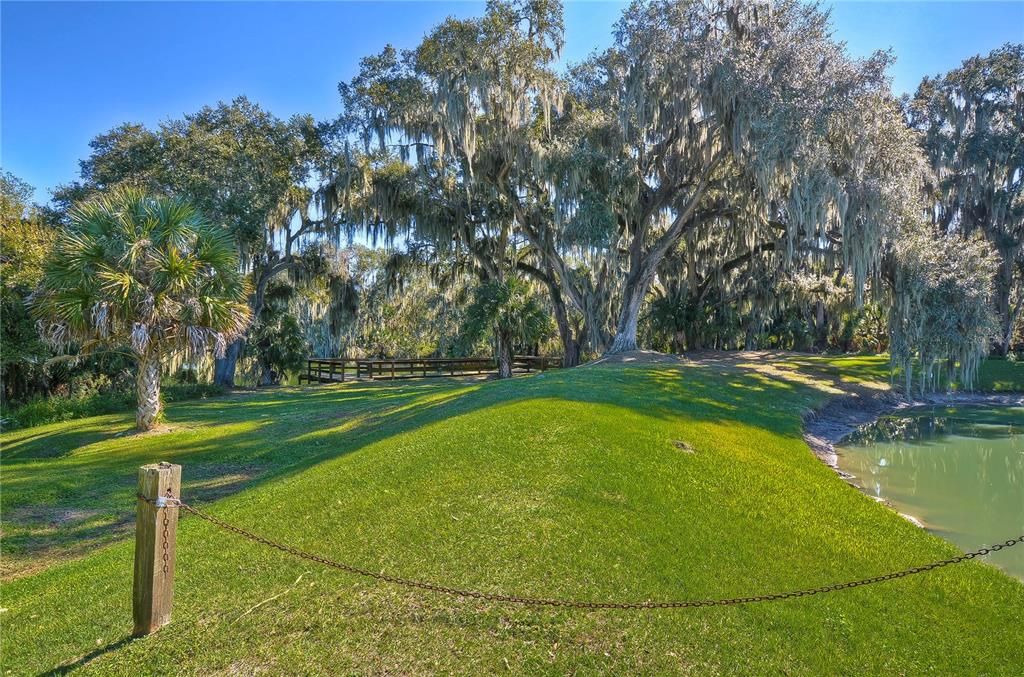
{"x": 165, "y": 545}
{"x": 581, "y": 604}
{"x": 167, "y": 521}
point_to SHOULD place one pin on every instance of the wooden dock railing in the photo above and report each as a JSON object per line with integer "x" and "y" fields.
{"x": 334, "y": 370}
{"x": 328, "y": 370}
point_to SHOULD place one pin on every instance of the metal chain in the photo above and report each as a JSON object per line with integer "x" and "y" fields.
{"x": 583, "y": 604}
{"x": 166, "y": 546}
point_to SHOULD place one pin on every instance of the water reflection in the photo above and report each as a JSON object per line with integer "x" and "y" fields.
{"x": 928, "y": 424}
{"x": 960, "y": 471}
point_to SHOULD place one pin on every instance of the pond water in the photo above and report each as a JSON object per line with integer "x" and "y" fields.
{"x": 960, "y": 471}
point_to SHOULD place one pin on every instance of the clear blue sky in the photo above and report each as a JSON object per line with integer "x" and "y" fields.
{"x": 73, "y": 70}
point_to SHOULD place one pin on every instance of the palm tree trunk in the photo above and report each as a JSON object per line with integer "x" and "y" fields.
{"x": 504, "y": 356}
{"x": 147, "y": 388}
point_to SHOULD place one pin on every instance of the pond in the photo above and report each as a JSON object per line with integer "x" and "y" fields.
{"x": 960, "y": 471}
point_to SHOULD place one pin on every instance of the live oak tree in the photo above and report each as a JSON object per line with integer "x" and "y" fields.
{"x": 472, "y": 108}
{"x": 724, "y": 175}
{"x": 971, "y": 122}
{"x": 937, "y": 285}
{"x": 411, "y": 303}
{"x": 253, "y": 171}
{"x": 941, "y": 320}
{"x": 708, "y": 115}
{"x": 149, "y": 275}
{"x": 722, "y": 149}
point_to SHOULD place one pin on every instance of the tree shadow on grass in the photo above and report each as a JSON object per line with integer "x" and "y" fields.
{"x": 33, "y": 444}
{"x": 37, "y": 534}
{"x": 232, "y": 444}
{"x": 83, "y": 661}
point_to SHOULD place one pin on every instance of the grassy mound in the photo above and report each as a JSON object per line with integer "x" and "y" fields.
{"x": 612, "y": 482}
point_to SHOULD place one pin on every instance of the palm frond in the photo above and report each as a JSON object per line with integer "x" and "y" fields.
{"x": 142, "y": 272}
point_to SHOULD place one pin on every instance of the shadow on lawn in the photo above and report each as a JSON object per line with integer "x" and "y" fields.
{"x": 32, "y": 444}
{"x": 235, "y": 443}
{"x": 68, "y": 668}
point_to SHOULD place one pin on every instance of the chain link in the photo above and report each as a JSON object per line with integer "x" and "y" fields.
{"x": 581, "y": 604}
{"x": 167, "y": 522}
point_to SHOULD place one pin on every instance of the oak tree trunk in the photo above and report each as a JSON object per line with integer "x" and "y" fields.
{"x": 570, "y": 349}
{"x": 224, "y": 367}
{"x": 593, "y": 331}
{"x": 629, "y": 317}
{"x": 570, "y": 344}
{"x": 147, "y": 389}
{"x": 820, "y": 328}
{"x": 1004, "y": 311}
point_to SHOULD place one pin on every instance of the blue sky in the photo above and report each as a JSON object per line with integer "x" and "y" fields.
{"x": 69, "y": 71}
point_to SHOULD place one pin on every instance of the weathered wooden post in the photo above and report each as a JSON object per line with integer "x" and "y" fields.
{"x": 156, "y": 526}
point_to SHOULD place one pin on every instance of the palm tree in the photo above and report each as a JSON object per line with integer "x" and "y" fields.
{"x": 144, "y": 273}
{"x": 511, "y": 313}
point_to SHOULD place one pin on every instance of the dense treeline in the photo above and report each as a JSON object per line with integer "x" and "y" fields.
{"x": 723, "y": 176}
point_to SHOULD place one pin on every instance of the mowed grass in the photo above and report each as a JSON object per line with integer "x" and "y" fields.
{"x": 872, "y": 369}
{"x": 566, "y": 484}
{"x": 997, "y": 375}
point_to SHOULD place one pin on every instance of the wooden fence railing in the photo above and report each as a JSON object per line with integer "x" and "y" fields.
{"x": 332, "y": 370}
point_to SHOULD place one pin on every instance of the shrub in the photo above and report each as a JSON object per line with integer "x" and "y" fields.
{"x": 42, "y": 410}
{"x": 84, "y": 403}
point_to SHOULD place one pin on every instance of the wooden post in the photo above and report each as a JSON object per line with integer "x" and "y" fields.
{"x": 156, "y": 525}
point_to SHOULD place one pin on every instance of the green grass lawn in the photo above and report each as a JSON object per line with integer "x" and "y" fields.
{"x": 1001, "y": 376}
{"x": 566, "y": 484}
{"x": 996, "y": 375}
{"x": 847, "y": 368}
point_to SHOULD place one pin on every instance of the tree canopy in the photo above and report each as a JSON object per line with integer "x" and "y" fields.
{"x": 723, "y": 175}
{"x": 971, "y": 124}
